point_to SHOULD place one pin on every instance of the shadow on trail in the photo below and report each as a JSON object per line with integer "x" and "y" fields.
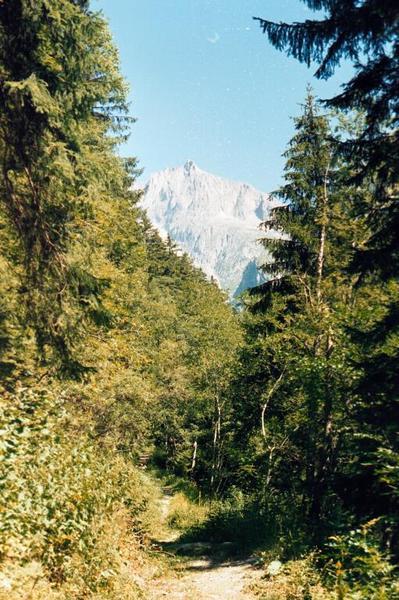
{"x": 214, "y": 558}
{"x": 213, "y": 551}
{"x": 214, "y": 570}
{"x": 229, "y": 534}
{"x": 205, "y": 555}
{"x": 233, "y": 533}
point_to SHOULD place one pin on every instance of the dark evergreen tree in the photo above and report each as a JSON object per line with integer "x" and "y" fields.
{"x": 296, "y": 379}
{"x": 366, "y": 32}
{"x": 60, "y": 94}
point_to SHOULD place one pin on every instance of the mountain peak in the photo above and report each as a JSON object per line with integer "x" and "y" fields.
{"x": 215, "y": 220}
{"x": 190, "y": 166}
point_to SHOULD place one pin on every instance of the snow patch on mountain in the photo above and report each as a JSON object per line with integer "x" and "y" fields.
{"x": 215, "y": 220}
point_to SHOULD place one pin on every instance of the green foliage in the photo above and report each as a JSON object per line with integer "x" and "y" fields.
{"x": 314, "y": 415}
{"x": 296, "y": 369}
{"x": 185, "y": 514}
{"x": 60, "y": 95}
{"x": 57, "y": 493}
{"x": 243, "y": 522}
{"x": 366, "y": 33}
{"x": 110, "y": 343}
{"x": 359, "y": 569}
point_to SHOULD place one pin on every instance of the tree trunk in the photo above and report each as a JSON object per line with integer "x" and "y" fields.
{"x": 216, "y": 441}
{"x": 323, "y": 235}
{"x": 194, "y": 459}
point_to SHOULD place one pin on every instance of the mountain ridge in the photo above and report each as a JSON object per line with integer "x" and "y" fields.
{"x": 215, "y": 220}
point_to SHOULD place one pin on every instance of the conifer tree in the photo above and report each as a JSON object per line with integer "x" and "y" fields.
{"x": 299, "y": 377}
{"x": 61, "y": 94}
{"x": 89, "y": 288}
{"x": 366, "y": 32}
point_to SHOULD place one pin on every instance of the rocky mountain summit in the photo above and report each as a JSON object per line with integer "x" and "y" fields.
{"x": 215, "y": 220}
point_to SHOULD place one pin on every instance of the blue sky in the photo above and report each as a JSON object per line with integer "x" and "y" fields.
{"x": 206, "y": 85}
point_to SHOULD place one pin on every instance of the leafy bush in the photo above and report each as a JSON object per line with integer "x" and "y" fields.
{"x": 353, "y": 567}
{"x": 358, "y": 568}
{"x": 59, "y": 496}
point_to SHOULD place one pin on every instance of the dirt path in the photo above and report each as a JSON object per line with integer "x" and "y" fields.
{"x": 207, "y": 573}
{"x": 203, "y": 580}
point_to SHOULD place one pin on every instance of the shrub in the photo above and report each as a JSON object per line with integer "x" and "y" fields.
{"x": 58, "y": 497}
{"x": 358, "y": 568}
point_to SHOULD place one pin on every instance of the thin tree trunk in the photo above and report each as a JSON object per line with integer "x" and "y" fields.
{"x": 318, "y": 473}
{"x": 266, "y": 404}
{"x": 194, "y": 459}
{"x": 323, "y": 235}
{"x": 216, "y": 440}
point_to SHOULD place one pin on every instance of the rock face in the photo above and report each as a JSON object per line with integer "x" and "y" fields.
{"x": 214, "y": 220}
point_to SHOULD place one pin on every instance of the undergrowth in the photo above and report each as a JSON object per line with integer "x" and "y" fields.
{"x": 184, "y": 514}
{"x": 346, "y": 567}
{"x": 78, "y": 528}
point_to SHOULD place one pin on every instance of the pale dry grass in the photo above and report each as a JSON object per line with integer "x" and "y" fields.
{"x": 297, "y": 580}
{"x": 184, "y": 514}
